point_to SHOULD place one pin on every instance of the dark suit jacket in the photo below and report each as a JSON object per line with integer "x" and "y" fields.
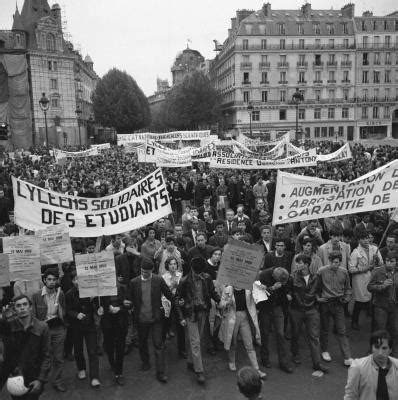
{"x": 158, "y": 287}
{"x": 127, "y": 266}
{"x": 227, "y": 232}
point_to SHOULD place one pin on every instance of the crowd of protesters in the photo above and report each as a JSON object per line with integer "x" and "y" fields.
{"x": 313, "y": 272}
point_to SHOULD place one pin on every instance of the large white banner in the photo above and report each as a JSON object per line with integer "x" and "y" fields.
{"x": 96, "y": 274}
{"x": 300, "y": 198}
{"x": 159, "y": 137}
{"x": 59, "y": 154}
{"x": 142, "y": 203}
{"x": 173, "y": 158}
{"x": 223, "y": 159}
{"x": 101, "y": 146}
{"x": 343, "y": 153}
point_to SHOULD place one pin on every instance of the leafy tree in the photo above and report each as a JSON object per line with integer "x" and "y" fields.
{"x": 192, "y": 104}
{"x": 119, "y": 102}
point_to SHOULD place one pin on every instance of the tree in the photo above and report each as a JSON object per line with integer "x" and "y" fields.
{"x": 119, "y": 102}
{"x": 192, "y": 104}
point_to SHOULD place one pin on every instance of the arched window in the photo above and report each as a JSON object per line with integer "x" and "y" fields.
{"x": 50, "y": 42}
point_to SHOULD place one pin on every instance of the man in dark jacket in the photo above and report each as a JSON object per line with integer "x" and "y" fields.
{"x": 145, "y": 294}
{"x": 279, "y": 258}
{"x": 26, "y": 347}
{"x": 48, "y": 305}
{"x": 193, "y": 302}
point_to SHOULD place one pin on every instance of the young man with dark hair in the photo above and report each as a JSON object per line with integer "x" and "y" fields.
{"x": 27, "y": 347}
{"x": 374, "y": 376}
{"x": 48, "y": 305}
{"x": 249, "y": 383}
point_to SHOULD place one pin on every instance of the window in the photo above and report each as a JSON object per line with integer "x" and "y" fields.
{"x": 341, "y": 131}
{"x": 317, "y": 43}
{"x": 282, "y": 44}
{"x": 255, "y": 115}
{"x": 375, "y": 112}
{"x": 346, "y": 76}
{"x": 54, "y": 103}
{"x": 282, "y": 96}
{"x": 376, "y": 76}
{"x": 345, "y": 94}
{"x": 53, "y": 84}
{"x": 346, "y": 58}
{"x": 245, "y": 44}
{"x": 365, "y": 78}
{"x": 282, "y": 115}
{"x": 282, "y": 57}
{"x": 50, "y": 42}
{"x": 264, "y": 96}
{"x": 345, "y": 27}
{"x": 324, "y": 131}
{"x": 246, "y": 77}
{"x": 387, "y": 76}
{"x": 363, "y": 26}
{"x": 301, "y": 113}
{"x": 301, "y": 77}
{"x": 386, "y": 112}
{"x": 387, "y": 41}
{"x": 331, "y": 131}
{"x": 264, "y": 77}
{"x": 318, "y": 59}
{"x": 344, "y": 112}
{"x": 317, "y": 95}
{"x": 301, "y": 59}
{"x": 331, "y": 43}
{"x": 301, "y": 43}
{"x": 387, "y": 93}
{"x": 332, "y": 94}
{"x": 317, "y": 131}
{"x": 385, "y": 25}
{"x": 377, "y": 59}
{"x": 332, "y": 76}
{"x": 52, "y": 65}
{"x": 364, "y": 112}
{"x": 282, "y": 76}
{"x": 317, "y": 28}
{"x": 330, "y": 29}
{"x": 396, "y": 25}
{"x": 281, "y": 29}
{"x": 365, "y": 94}
{"x": 376, "y": 94}
{"x": 246, "y": 96}
{"x": 300, "y": 29}
{"x": 332, "y": 58}
{"x": 388, "y": 58}
{"x": 365, "y": 60}
{"x": 318, "y": 76}
{"x": 331, "y": 113}
{"x": 375, "y": 25}
{"x": 263, "y": 44}
{"x": 364, "y": 42}
{"x": 248, "y": 28}
{"x": 317, "y": 113}
{"x": 264, "y": 58}
{"x": 376, "y": 41}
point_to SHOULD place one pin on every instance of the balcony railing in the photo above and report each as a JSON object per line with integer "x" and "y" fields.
{"x": 264, "y": 82}
{"x": 376, "y": 62}
{"x": 246, "y": 83}
{"x": 365, "y": 62}
{"x": 264, "y": 65}
{"x": 346, "y": 64}
{"x": 377, "y": 46}
{"x": 318, "y": 81}
{"x": 302, "y": 64}
{"x": 331, "y": 63}
{"x": 283, "y": 64}
{"x": 283, "y": 82}
{"x": 318, "y": 64}
{"x": 331, "y": 80}
{"x": 301, "y": 82}
{"x": 293, "y": 46}
{"x": 245, "y": 65}
{"x": 345, "y": 81}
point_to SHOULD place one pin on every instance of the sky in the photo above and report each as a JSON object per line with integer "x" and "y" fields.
{"x": 143, "y": 37}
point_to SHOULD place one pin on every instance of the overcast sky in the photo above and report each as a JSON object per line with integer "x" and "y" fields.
{"x": 143, "y": 37}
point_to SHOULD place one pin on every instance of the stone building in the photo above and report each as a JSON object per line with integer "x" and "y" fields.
{"x": 270, "y": 54}
{"x": 59, "y": 71}
{"x": 185, "y": 63}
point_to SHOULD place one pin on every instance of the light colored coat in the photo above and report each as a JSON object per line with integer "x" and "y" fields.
{"x": 327, "y": 248}
{"x": 362, "y": 379}
{"x": 229, "y": 316}
{"x": 359, "y": 268}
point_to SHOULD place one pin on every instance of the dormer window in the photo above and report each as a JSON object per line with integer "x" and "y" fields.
{"x": 50, "y": 42}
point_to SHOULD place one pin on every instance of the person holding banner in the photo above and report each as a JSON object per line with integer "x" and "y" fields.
{"x": 145, "y": 294}
{"x": 80, "y": 312}
{"x": 48, "y": 305}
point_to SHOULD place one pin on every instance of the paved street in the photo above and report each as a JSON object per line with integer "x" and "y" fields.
{"x": 220, "y": 385}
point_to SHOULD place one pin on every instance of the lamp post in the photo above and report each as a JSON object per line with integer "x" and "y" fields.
{"x": 250, "y": 110}
{"x": 44, "y": 105}
{"x": 297, "y": 98}
{"x": 79, "y": 113}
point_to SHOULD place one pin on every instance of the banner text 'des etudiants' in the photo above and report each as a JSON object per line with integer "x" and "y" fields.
{"x": 300, "y": 198}
{"x": 141, "y": 204}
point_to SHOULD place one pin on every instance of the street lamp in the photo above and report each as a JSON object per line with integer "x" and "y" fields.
{"x": 250, "y": 109}
{"x": 79, "y": 113}
{"x": 297, "y": 98}
{"x": 44, "y": 105}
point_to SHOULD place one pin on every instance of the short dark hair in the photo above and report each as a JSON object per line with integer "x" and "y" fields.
{"x": 377, "y": 337}
{"x": 51, "y": 271}
{"x": 335, "y": 231}
{"x": 249, "y": 382}
{"x": 362, "y": 234}
{"x": 219, "y": 222}
{"x": 392, "y": 255}
{"x": 20, "y": 297}
{"x": 265, "y": 227}
{"x": 170, "y": 239}
{"x": 335, "y": 254}
{"x": 303, "y": 258}
{"x": 168, "y": 261}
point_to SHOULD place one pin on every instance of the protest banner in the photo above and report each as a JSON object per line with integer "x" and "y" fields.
{"x": 101, "y": 146}
{"x": 55, "y": 245}
{"x": 223, "y": 159}
{"x": 300, "y": 198}
{"x": 140, "y": 204}
{"x": 173, "y": 158}
{"x": 202, "y": 154}
{"x": 343, "y": 153}
{"x": 24, "y": 257}
{"x": 96, "y": 274}
{"x": 146, "y": 154}
{"x": 160, "y": 137}
{"x": 4, "y": 270}
{"x": 60, "y": 154}
{"x": 240, "y": 264}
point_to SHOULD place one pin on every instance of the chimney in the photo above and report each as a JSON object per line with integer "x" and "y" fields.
{"x": 56, "y": 14}
{"x": 367, "y": 14}
{"x": 242, "y": 14}
{"x": 233, "y": 23}
{"x": 267, "y": 9}
{"x": 306, "y": 10}
{"x": 348, "y": 11}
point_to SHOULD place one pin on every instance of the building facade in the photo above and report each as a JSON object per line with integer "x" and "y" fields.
{"x": 59, "y": 71}
{"x": 270, "y": 55}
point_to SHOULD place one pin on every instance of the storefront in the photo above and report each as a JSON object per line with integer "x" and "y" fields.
{"x": 374, "y": 129}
